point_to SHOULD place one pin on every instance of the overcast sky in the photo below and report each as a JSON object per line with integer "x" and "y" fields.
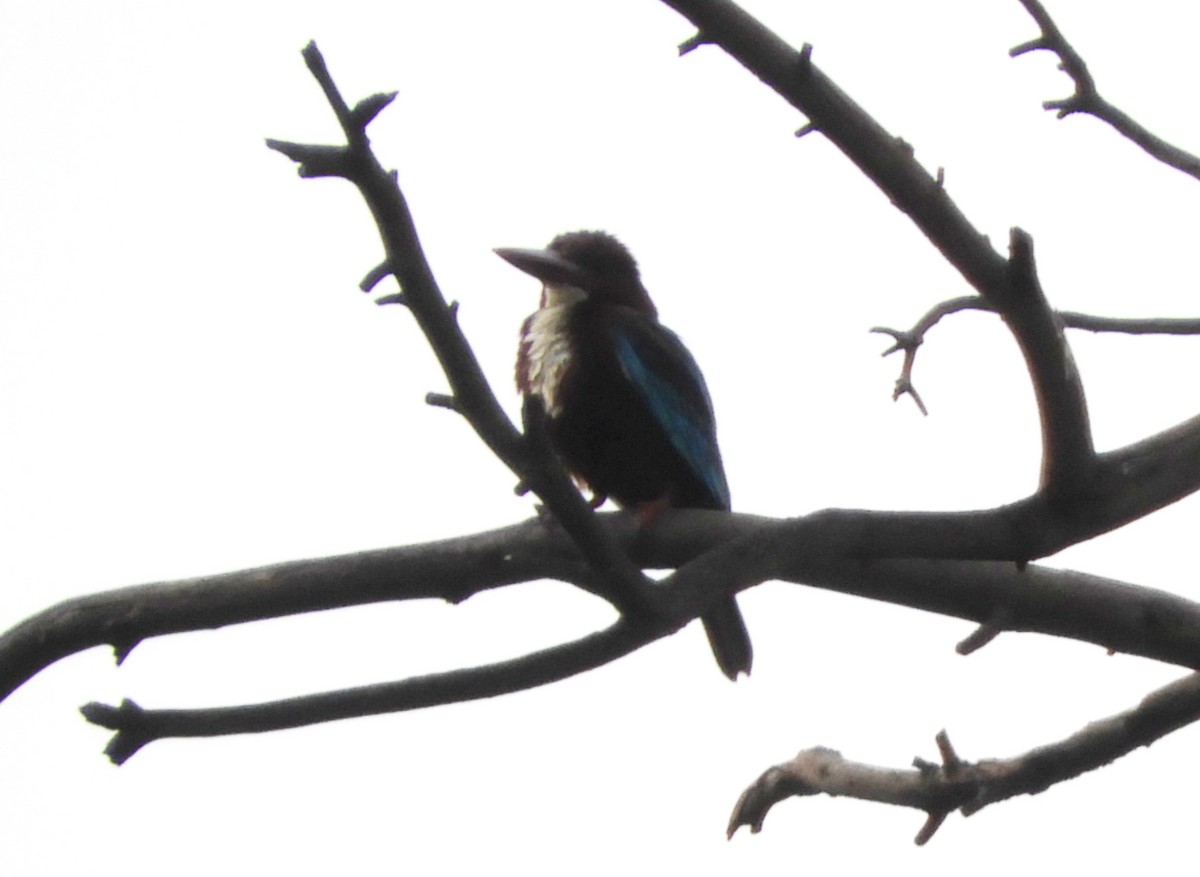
{"x": 191, "y": 383}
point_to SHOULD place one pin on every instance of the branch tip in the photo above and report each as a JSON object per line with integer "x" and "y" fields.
{"x": 375, "y": 276}
{"x": 314, "y": 61}
{"x": 692, "y": 43}
{"x": 314, "y": 160}
{"x": 1034, "y": 45}
{"x": 441, "y": 400}
{"x": 980, "y": 636}
{"x": 122, "y": 650}
{"x": 951, "y": 763}
{"x": 368, "y": 108}
{"x": 933, "y": 821}
{"x": 925, "y": 768}
{"x": 1063, "y": 107}
{"x": 905, "y": 388}
{"x": 901, "y": 340}
{"x": 127, "y": 720}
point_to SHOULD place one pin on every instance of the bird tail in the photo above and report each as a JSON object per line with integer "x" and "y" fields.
{"x": 729, "y": 638}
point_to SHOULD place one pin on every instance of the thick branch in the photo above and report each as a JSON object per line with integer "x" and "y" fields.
{"x": 1011, "y": 286}
{"x": 826, "y": 549}
{"x": 969, "y": 787}
{"x": 716, "y": 554}
{"x": 451, "y": 570}
{"x": 1068, "y": 455}
{"x": 1111, "y": 614}
{"x": 1087, "y": 99}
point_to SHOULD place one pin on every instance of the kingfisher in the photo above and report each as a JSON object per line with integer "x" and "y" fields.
{"x": 627, "y": 409}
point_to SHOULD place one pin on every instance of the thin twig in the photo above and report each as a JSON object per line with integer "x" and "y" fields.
{"x": 910, "y": 340}
{"x": 1087, "y": 99}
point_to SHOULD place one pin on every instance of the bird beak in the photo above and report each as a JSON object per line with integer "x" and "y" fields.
{"x": 546, "y": 265}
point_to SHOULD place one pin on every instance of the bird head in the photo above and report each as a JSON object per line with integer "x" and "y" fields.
{"x": 583, "y": 265}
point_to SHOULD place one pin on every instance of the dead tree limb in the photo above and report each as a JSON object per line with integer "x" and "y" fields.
{"x": 1087, "y": 98}
{"x": 1072, "y": 474}
{"x": 970, "y": 564}
{"x": 533, "y": 464}
{"x": 968, "y": 787}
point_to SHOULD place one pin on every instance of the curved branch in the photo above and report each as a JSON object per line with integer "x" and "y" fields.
{"x": 965, "y": 786}
{"x": 826, "y": 548}
{"x": 135, "y": 727}
{"x": 1115, "y": 615}
{"x": 1128, "y": 484}
{"x": 1087, "y": 99}
{"x": 1009, "y": 285}
{"x": 910, "y": 340}
{"x": 1068, "y": 455}
{"x": 451, "y": 570}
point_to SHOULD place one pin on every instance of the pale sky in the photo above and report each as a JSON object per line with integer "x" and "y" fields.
{"x": 191, "y": 383}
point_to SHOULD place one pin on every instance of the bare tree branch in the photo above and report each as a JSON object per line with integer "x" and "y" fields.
{"x": 1115, "y": 615}
{"x": 825, "y": 549}
{"x": 910, "y": 340}
{"x": 1130, "y": 325}
{"x": 1010, "y": 286}
{"x": 536, "y": 467}
{"x": 939, "y": 789}
{"x": 1068, "y": 456}
{"x": 450, "y": 570}
{"x": 135, "y": 727}
{"x": 968, "y": 564}
{"x": 1087, "y": 99}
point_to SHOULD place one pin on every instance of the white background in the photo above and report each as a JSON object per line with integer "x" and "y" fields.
{"x": 190, "y": 383}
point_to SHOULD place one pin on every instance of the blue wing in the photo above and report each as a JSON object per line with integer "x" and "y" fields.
{"x": 666, "y": 376}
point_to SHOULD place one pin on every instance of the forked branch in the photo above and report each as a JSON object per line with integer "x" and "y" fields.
{"x": 827, "y": 548}
{"x": 910, "y": 340}
{"x": 968, "y": 787}
{"x": 1110, "y": 614}
{"x": 536, "y": 468}
{"x": 1087, "y": 98}
{"x": 960, "y": 564}
{"x": 135, "y": 727}
{"x": 1010, "y": 285}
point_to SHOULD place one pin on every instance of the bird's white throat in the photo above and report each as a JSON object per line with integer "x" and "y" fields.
{"x": 547, "y": 351}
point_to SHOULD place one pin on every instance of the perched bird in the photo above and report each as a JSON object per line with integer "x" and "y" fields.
{"x": 626, "y": 406}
